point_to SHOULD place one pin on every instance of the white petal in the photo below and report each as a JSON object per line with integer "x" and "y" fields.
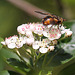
{"x": 13, "y": 38}
{"x": 49, "y": 26}
{"x": 62, "y": 32}
{"x": 19, "y": 45}
{"x": 52, "y": 38}
{"x": 43, "y": 50}
{"x": 24, "y": 40}
{"x": 69, "y": 33}
{"x": 7, "y": 41}
{"x": 45, "y": 34}
{"x": 32, "y": 27}
{"x": 35, "y": 45}
{"x": 3, "y": 42}
{"x": 30, "y": 41}
{"x": 29, "y": 33}
{"x": 21, "y": 29}
{"x": 65, "y": 30}
{"x": 11, "y": 46}
{"x": 58, "y": 36}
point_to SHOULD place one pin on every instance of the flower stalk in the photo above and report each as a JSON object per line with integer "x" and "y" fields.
{"x": 19, "y": 55}
{"x": 44, "y": 61}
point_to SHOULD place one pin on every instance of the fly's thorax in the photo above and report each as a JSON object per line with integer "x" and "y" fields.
{"x": 47, "y": 20}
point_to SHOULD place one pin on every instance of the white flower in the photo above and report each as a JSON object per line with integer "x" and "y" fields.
{"x": 52, "y": 34}
{"x": 11, "y": 39}
{"x": 29, "y": 33}
{"x": 44, "y": 43}
{"x": 30, "y": 40}
{"x": 10, "y": 42}
{"x": 24, "y": 39}
{"x": 14, "y": 42}
{"x": 21, "y": 29}
{"x": 64, "y": 31}
{"x": 27, "y": 27}
{"x": 45, "y": 34}
{"x": 67, "y": 32}
{"x": 58, "y": 36}
{"x": 11, "y": 45}
{"x": 38, "y": 29}
{"x": 51, "y": 48}
{"x": 20, "y": 41}
{"x": 32, "y": 26}
{"x": 43, "y": 50}
{"x": 35, "y": 45}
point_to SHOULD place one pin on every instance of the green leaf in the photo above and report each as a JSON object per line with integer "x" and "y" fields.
{"x": 1, "y": 39}
{"x": 4, "y": 72}
{"x": 1, "y": 64}
{"x": 55, "y": 58}
{"x": 70, "y": 46}
{"x": 17, "y": 64}
{"x": 69, "y": 70}
{"x": 10, "y": 20}
{"x": 4, "y": 53}
{"x": 14, "y": 73}
{"x": 8, "y": 53}
{"x": 65, "y": 69}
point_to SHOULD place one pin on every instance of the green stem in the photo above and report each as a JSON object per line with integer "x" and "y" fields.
{"x": 17, "y": 52}
{"x": 33, "y": 55}
{"x": 26, "y": 51}
{"x": 44, "y": 60}
{"x": 41, "y": 56}
{"x": 38, "y": 55}
{"x": 35, "y": 58}
{"x": 62, "y": 38}
{"x": 32, "y": 50}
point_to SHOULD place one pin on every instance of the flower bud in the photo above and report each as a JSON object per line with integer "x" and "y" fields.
{"x": 51, "y": 48}
{"x": 43, "y": 50}
{"x": 68, "y": 33}
{"x": 54, "y": 42}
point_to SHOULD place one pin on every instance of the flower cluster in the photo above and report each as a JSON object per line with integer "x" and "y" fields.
{"x": 14, "y": 42}
{"x": 48, "y": 36}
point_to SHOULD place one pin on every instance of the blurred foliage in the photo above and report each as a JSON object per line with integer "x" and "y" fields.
{"x": 48, "y": 5}
{"x": 52, "y": 6}
{"x": 5, "y": 72}
{"x": 11, "y": 17}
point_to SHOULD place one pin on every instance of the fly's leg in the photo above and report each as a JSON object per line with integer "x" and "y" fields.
{"x": 58, "y": 26}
